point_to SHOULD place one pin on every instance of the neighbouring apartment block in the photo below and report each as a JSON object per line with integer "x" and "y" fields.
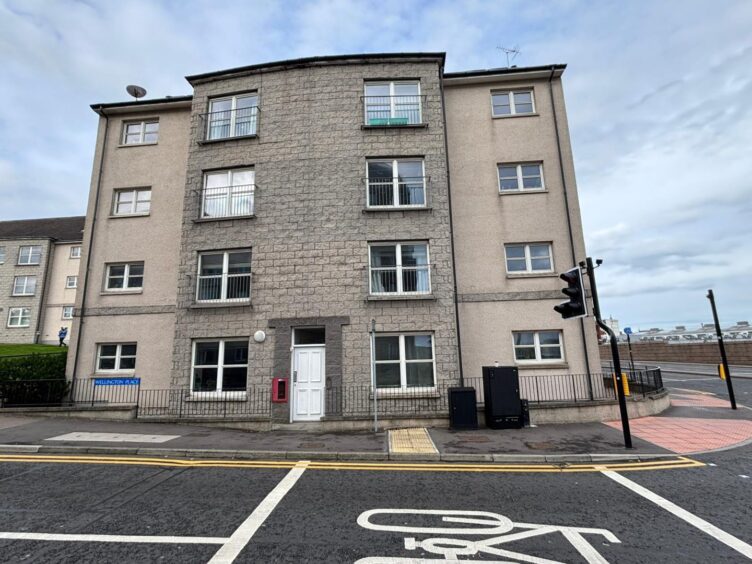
{"x": 333, "y": 221}
{"x": 39, "y": 262}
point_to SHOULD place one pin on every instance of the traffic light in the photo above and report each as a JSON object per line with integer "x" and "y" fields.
{"x": 575, "y": 291}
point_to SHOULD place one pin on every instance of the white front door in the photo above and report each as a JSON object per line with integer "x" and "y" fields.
{"x": 308, "y": 384}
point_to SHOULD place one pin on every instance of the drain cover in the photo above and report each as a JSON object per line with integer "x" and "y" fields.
{"x": 540, "y": 446}
{"x": 311, "y": 445}
{"x": 476, "y": 439}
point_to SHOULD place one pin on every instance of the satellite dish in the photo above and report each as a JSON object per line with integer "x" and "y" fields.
{"x": 135, "y": 91}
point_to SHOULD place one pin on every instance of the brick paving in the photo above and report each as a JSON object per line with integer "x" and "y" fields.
{"x": 697, "y": 400}
{"x": 685, "y": 435}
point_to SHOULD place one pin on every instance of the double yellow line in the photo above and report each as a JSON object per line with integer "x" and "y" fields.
{"x": 673, "y": 463}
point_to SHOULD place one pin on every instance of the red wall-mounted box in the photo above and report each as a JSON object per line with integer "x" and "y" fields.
{"x": 280, "y": 390}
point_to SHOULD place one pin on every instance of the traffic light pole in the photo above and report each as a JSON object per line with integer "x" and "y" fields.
{"x": 724, "y": 360}
{"x": 614, "y": 352}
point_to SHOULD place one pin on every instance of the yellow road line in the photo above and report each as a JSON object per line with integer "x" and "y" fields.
{"x": 679, "y": 462}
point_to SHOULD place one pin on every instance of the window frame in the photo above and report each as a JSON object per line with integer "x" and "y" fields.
{"x": 134, "y": 201}
{"x": 3, "y": 255}
{"x": 20, "y": 317}
{"x": 68, "y": 285}
{"x": 403, "y": 363}
{"x": 142, "y": 132}
{"x": 76, "y": 254}
{"x": 220, "y": 366}
{"x": 395, "y": 183}
{"x": 529, "y": 258}
{"x": 31, "y": 254}
{"x": 118, "y": 358}
{"x": 536, "y": 346}
{"x": 126, "y": 277}
{"x": 254, "y": 117}
{"x": 520, "y": 177}
{"x": 392, "y": 95}
{"x": 26, "y": 278}
{"x": 398, "y": 268}
{"x": 512, "y": 105}
{"x": 63, "y": 316}
{"x": 230, "y": 172}
{"x": 224, "y": 276}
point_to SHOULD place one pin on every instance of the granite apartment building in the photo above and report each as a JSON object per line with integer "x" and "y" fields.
{"x": 39, "y": 262}
{"x": 331, "y": 222}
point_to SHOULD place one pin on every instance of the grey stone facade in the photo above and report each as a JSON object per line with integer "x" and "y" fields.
{"x": 309, "y": 237}
{"x": 8, "y": 271}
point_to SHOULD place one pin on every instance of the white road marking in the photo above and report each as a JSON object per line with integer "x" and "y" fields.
{"x": 114, "y": 437}
{"x": 743, "y": 476}
{"x": 112, "y": 538}
{"x": 243, "y": 534}
{"x": 718, "y": 534}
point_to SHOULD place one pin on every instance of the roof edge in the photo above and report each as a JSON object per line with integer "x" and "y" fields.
{"x": 505, "y": 70}
{"x": 311, "y": 61}
{"x": 135, "y": 104}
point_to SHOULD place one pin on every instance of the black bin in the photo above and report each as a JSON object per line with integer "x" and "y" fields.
{"x": 463, "y": 408}
{"x": 501, "y": 393}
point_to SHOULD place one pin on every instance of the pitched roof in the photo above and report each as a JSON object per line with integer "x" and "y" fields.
{"x": 58, "y": 228}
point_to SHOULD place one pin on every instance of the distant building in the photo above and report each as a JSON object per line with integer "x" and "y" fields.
{"x": 39, "y": 263}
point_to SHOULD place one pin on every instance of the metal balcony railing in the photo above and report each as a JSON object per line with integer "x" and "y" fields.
{"x": 393, "y": 110}
{"x": 228, "y": 124}
{"x": 401, "y": 280}
{"x": 224, "y": 288}
{"x": 397, "y": 192}
{"x": 227, "y": 201}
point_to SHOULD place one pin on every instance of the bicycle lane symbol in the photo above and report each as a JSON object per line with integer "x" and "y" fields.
{"x": 451, "y": 547}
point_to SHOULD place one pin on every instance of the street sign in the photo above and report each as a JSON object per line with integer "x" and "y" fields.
{"x": 627, "y": 330}
{"x": 117, "y": 381}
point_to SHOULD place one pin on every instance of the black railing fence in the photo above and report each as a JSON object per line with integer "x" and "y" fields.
{"x": 347, "y": 400}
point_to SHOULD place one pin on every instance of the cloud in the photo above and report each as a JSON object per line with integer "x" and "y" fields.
{"x": 657, "y": 98}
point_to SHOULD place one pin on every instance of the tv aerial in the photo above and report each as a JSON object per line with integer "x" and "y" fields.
{"x": 135, "y": 91}
{"x": 510, "y": 52}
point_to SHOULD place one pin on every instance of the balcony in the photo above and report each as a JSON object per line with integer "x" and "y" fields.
{"x": 220, "y": 202}
{"x": 399, "y": 281}
{"x": 396, "y": 193}
{"x": 229, "y": 124}
{"x": 394, "y": 111}
{"x": 224, "y": 288}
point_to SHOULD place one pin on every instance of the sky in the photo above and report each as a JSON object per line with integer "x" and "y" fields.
{"x": 658, "y": 98}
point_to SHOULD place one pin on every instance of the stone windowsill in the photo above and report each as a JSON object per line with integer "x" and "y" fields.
{"x": 519, "y": 192}
{"x": 214, "y": 219}
{"x": 129, "y": 145}
{"x": 196, "y": 305}
{"x": 211, "y": 397}
{"x": 385, "y": 209}
{"x": 543, "y": 366}
{"x": 372, "y": 298}
{"x": 405, "y": 394}
{"x": 223, "y": 139}
{"x": 127, "y": 215}
{"x": 507, "y": 116}
{"x": 119, "y": 292}
{"x": 533, "y": 275}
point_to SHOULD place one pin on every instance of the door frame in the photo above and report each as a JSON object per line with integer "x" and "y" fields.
{"x": 293, "y": 381}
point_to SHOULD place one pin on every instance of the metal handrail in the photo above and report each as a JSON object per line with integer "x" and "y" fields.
{"x": 228, "y": 201}
{"x": 227, "y": 128}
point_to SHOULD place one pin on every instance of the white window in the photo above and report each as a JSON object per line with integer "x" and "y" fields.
{"x": 532, "y": 257}
{"x": 132, "y": 202}
{"x": 140, "y": 132}
{"x": 19, "y": 317}
{"x": 514, "y": 102}
{"x": 114, "y": 357}
{"x": 67, "y": 312}
{"x": 125, "y": 276}
{"x": 404, "y": 361}
{"x": 75, "y": 252}
{"x": 396, "y": 183}
{"x": 220, "y": 365}
{"x": 537, "y": 346}
{"x": 228, "y": 193}
{"x": 234, "y": 116}
{"x": 224, "y": 276}
{"x": 393, "y": 103}
{"x": 2, "y": 255}
{"x": 30, "y": 254}
{"x": 24, "y": 285}
{"x": 400, "y": 268}
{"x": 71, "y": 281}
{"x": 518, "y": 177}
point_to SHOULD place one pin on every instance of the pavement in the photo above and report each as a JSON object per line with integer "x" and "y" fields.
{"x": 698, "y": 421}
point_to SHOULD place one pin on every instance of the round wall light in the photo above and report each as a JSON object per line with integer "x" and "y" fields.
{"x": 259, "y": 336}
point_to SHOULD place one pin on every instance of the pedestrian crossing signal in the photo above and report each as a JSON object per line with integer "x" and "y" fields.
{"x": 575, "y": 291}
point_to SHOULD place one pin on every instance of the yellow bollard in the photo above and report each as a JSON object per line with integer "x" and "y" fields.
{"x": 721, "y": 371}
{"x": 624, "y": 382}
